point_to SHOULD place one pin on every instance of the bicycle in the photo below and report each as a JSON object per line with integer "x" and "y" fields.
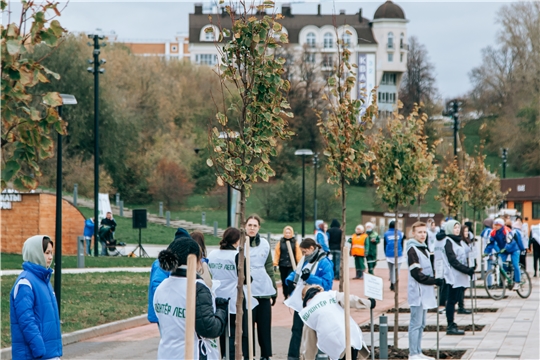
{"x": 497, "y": 280}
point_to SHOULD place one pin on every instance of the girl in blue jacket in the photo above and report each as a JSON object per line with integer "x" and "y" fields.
{"x": 35, "y": 323}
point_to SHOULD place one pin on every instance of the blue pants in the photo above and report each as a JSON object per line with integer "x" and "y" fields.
{"x": 416, "y": 328}
{"x": 88, "y": 240}
{"x": 515, "y": 263}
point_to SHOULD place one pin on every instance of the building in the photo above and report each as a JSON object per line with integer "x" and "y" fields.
{"x": 378, "y": 46}
{"x": 524, "y": 196}
{"x": 177, "y": 49}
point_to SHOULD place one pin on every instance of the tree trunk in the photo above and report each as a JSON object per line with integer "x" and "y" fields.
{"x": 396, "y": 285}
{"x": 240, "y": 286}
{"x": 419, "y": 207}
{"x": 343, "y": 229}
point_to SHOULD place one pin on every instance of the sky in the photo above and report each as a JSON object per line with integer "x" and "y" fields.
{"x": 454, "y": 32}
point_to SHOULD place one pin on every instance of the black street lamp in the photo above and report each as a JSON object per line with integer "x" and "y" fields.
{"x": 504, "y": 159}
{"x": 96, "y": 71}
{"x": 303, "y": 153}
{"x": 66, "y": 100}
{"x": 315, "y": 167}
{"x": 454, "y": 109}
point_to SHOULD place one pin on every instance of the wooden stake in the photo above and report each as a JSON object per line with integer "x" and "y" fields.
{"x": 190, "y": 307}
{"x": 347, "y": 304}
{"x": 250, "y": 313}
{"x": 291, "y": 254}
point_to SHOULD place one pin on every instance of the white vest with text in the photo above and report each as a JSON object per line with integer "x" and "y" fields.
{"x": 420, "y": 294}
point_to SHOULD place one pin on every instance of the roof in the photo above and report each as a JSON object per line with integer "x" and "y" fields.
{"x": 389, "y": 10}
{"x": 522, "y": 189}
{"x": 293, "y": 24}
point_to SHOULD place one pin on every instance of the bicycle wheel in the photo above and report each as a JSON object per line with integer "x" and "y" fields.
{"x": 497, "y": 286}
{"x": 525, "y": 287}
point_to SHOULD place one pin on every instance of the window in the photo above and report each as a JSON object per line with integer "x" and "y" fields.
{"x": 401, "y": 57}
{"x": 519, "y": 207}
{"x": 209, "y": 36}
{"x": 174, "y": 48}
{"x": 328, "y": 41}
{"x": 310, "y": 58}
{"x": 390, "y": 57}
{"x": 388, "y": 79}
{"x": 328, "y": 61}
{"x": 206, "y": 59}
{"x": 401, "y": 40}
{"x": 385, "y": 97}
{"x": 390, "y": 40}
{"x": 347, "y": 40}
{"x": 536, "y": 210}
{"x": 311, "y": 40}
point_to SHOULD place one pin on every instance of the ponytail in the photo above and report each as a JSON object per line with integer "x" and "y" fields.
{"x": 168, "y": 261}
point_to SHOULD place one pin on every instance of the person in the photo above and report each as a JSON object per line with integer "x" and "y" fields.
{"x": 33, "y": 310}
{"x": 263, "y": 287}
{"x": 282, "y": 257}
{"x": 517, "y": 226}
{"x": 358, "y": 250}
{"x": 323, "y": 314}
{"x": 88, "y": 233}
{"x": 204, "y": 272}
{"x": 157, "y": 275}
{"x": 457, "y": 273}
{"x": 314, "y": 269}
{"x": 432, "y": 230}
{"x": 470, "y": 250}
{"x": 420, "y": 291}
{"x": 489, "y": 247}
{"x": 321, "y": 236}
{"x": 223, "y": 265}
{"x": 334, "y": 244}
{"x": 534, "y": 242}
{"x": 109, "y": 221}
{"x": 374, "y": 240}
{"x": 513, "y": 249}
{"x": 106, "y": 238}
{"x": 170, "y": 301}
{"x": 389, "y": 251}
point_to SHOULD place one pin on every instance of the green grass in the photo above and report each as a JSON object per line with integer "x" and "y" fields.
{"x": 89, "y": 300}
{"x": 14, "y": 262}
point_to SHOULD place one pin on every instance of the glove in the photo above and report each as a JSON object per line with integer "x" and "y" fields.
{"x": 292, "y": 286}
{"x": 273, "y": 298}
{"x": 305, "y": 274}
{"x": 439, "y": 282}
{"x": 222, "y": 303}
{"x": 471, "y": 271}
{"x": 373, "y": 303}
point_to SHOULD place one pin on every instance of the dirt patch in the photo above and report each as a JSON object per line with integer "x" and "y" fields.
{"x": 407, "y": 310}
{"x": 429, "y": 328}
{"x": 404, "y": 353}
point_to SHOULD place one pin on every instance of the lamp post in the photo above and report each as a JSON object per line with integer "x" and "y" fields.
{"x": 315, "y": 166}
{"x": 66, "y": 100}
{"x": 504, "y": 158}
{"x": 454, "y": 108}
{"x": 96, "y": 71}
{"x": 225, "y": 135}
{"x": 303, "y": 153}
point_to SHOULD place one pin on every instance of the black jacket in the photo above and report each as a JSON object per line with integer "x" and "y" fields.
{"x": 334, "y": 235}
{"x": 416, "y": 273}
{"x": 109, "y": 222}
{"x": 454, "y": 262}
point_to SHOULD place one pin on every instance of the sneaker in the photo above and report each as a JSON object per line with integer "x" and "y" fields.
{"x": 422, "y": 356}
{"x": 464, "y": 311}
{"x": 442, "y": 311}
{"x": 416, "y": 357}
{"x": 516, "y": 287}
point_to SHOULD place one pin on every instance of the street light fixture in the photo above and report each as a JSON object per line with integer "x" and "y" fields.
{"x": 225, "y": 135}
{"x": 303, "y": 153}
{"x": 66, "y": 100}
{"x": 504, "y": 160}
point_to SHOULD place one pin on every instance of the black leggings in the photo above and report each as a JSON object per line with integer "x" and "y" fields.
{"x": 296, "y": 337}
{"x": 262, "y": 316}
{"x": 232, "y": 328}
{"x": 284, "y": 271}
{"x": 536, "y": 254}
{"x": 454, "y": 294}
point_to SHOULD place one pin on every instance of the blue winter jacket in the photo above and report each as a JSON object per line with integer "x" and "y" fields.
{"x": 35, "y": 324}
{"x": 491, "y": 246}
{"x": 157, "y": 275}
{"x": 389, "y": 241}
{"x": 324, "y": 275}
{"x": 88, "y": 228}
{"x": 322, "y": 239}
{"x": 516, "y": 244}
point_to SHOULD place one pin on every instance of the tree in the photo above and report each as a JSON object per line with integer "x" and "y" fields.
{"x": 246, "y": 133}
{"x": 403, "y": 169}
{"x": 29, "y": 118}
{"x": 170, "y": 183}
{"x": 452, "y": 189}
{"x": 343, "y": 132}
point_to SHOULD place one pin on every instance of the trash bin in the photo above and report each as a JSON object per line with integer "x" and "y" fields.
{"x": 80, "y": 251}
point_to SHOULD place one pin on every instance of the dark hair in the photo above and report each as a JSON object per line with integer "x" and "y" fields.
{"x": 230, "y": 237}
{"x": 518, "y": 218}
{"x": 254, "y": 216}
{"x": 308, "y": 242}
{"x": 45, "y": 243}
{"x": 199, "y": 238}
{"x": 392, "y": 224}
{"x": 177, "y": 253}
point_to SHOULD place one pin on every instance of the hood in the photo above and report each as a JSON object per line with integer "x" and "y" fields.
{"x": 181, "y": 232}
{"x": 413, "y": 242}
{"x": 33, "y": 250}
{"x": 335, "y": 223}
{"x": 449, "y": 226}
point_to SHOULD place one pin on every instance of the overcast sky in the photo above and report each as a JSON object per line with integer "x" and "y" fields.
{"x": 454, "y": 32}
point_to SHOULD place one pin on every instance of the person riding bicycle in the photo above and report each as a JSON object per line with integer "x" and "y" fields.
{"x": 510, "y": 244}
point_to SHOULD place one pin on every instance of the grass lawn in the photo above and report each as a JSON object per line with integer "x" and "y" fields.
{"x": 14, "y": 262}
{"x": 89, "y": 300}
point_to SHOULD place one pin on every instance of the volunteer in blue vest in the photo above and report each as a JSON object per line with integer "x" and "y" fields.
{"x": 323, "y": 315}
{"x": 33, "y": 311}
{"x": 263, "y": 286}
{"x": 313, "y": 269}
{"x": 389, "y": 251}
{"x": 420, "y": 290}
{"x": 170, "y": 303}
{"x": 457, "y": 273}
{"x": 223, "y": 265}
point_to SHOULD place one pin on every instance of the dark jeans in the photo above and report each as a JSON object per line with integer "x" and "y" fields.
{"x": 336, "y": 260}
{"x": 523, "y": 260}
{"x": 262, "y": 316}
{"x": 232, "y": 329}
{"x": 536, "y": 255}
{"x": 454, "y": 294}
{"x": 284, "y": 271}
{"x": 296, "y": 337}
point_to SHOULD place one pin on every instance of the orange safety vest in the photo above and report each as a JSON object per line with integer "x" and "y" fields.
{"x": 358, "y": 247}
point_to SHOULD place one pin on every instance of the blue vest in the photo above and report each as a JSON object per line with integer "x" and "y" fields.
{"x": 389, "y": 237}
{"x": 35, "y": 324}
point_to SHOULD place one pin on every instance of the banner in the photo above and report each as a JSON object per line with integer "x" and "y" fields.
{"x": 104, "y": 206}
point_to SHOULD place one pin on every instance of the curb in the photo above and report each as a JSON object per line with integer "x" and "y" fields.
{"x": 85, "y": 334}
